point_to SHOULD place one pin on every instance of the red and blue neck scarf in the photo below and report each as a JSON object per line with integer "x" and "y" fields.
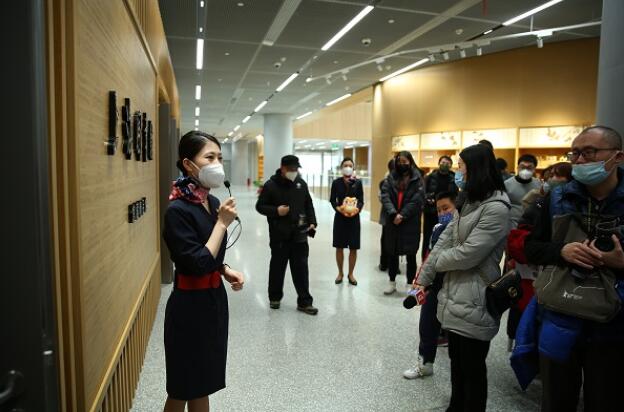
{"x": 186, "y": 187}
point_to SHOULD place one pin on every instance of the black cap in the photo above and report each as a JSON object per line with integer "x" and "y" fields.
{"x": 290, "y": 160}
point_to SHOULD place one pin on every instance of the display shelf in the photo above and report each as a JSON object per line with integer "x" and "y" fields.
{"x": 548, "y": 137}
{"x": 428, "y": 159}
{"x": 545, "y": 156}
{"x": 441, "y": 141}
{"x": 500, "y": 138}
{"x": 411, "y": 143}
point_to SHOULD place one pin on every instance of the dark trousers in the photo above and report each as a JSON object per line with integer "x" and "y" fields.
{"x": 393, "y": 267}
{"x": 430, "y": 220}
{"x": 429, "y": 326}
{"x": 597, "y": 366}
{"x": 296, "y": 254}
{"x": 468, "y": 373}
{"x": 513, "y": 320}
{"x": 383, "y": 258}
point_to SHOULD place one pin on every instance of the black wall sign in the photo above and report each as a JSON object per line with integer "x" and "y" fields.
{"x": 111, "y": 144}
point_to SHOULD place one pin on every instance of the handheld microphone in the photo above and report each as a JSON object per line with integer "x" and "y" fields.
{"x": 227, "y": 185}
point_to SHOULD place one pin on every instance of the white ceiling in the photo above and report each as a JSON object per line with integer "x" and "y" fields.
{"x": 234, "y": 84}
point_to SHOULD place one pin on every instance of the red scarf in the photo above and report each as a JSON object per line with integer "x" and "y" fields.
{"x": 187, "y": 188}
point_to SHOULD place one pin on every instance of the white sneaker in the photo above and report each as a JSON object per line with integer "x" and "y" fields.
{"x": 390, "y": 289}
{"x": 421, "y": 370}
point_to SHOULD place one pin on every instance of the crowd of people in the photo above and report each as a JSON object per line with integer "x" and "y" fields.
{"x": 557, "y": 238}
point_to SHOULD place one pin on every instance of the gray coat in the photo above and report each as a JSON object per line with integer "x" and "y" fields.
{"x": 469, "y": 251}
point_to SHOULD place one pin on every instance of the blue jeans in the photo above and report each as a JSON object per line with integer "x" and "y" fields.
{"x": 429, "y": 326}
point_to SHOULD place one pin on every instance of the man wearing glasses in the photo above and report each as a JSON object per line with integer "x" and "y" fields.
{"x": 596, "y": 359}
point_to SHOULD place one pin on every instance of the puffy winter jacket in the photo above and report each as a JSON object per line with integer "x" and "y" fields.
{"x": 470, "y": 252}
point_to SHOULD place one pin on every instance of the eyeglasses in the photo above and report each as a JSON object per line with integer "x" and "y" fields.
{"x": 588, "y": 154}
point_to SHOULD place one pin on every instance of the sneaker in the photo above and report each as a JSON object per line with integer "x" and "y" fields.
{"x": 310, "y": 310}
{"x": 421, "y": 370}
{"x": 274, "y": 304}
{"x": 391, "y": 288}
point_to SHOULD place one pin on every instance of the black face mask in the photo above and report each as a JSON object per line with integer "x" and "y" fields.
{"x": 402, "y": 169}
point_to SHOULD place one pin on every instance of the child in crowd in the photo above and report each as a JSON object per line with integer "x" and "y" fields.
{"x": 429, "y": 326}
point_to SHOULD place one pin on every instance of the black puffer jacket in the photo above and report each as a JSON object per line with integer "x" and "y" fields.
{"x": 405, "y": 238}
{"x": 278, "y": 191}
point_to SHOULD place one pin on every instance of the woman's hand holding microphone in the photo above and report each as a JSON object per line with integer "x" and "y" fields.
{"x": 227, "y": 212}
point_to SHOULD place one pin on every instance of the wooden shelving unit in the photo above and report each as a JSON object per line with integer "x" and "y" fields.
{"x": 548, "y": 144}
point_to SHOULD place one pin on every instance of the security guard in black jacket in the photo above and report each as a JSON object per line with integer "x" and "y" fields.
{"x": 285, "y": 201}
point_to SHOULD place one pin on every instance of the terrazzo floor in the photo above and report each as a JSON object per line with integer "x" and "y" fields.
{"x": 348, "y": 358}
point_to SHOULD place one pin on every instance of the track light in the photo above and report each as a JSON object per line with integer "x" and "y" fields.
{"x": 540, "y": 42}
{"x": 344, "y": 77}
{"x": 479, "y": 51}
{"x": 431, "y": 57}
{"x": 462, "y": 53}
{"x": 379, "y": 68}
{"x": 328, "y": 80}
{"x": 445, "y": 55}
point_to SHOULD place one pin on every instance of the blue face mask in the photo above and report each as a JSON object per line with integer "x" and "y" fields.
{"x": 590, "y": 174}
{"x": 445, "y": 218}
{"x": 459, "y": 179}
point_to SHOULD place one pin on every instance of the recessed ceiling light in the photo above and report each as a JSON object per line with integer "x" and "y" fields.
{"x": 201, "y": 29}
{"x": 227, "y": 53}
{"x": 390, "y": 21}
{"x": 201, "y": 4}
{"x": 459, "y": 32}
{"x": 240, "y": 4}
{"x": 336, "y": 62}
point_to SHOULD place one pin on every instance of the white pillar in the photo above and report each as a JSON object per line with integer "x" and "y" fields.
{"x": 240, "y": 163}
{"x": 611, "y": 68}
{"x": 278, "y": 141}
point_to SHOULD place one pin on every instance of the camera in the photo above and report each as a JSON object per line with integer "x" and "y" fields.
{"x": 366, "y": 41}
{"x": 604, "y": 234}
{"x": 277, "y": 65}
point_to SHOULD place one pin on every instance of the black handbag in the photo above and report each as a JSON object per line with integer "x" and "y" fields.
{"x": 501, "y": 294}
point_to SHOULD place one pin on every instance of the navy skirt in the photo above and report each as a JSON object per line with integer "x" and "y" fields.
{"x": 196, "y": 336}
{"x": 346, "y": 232}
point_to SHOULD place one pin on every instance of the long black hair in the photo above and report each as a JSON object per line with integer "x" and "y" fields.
{"x": 482, "y": 176}
{"x": 191, "y": 144}
{"x": 406, "y": 155}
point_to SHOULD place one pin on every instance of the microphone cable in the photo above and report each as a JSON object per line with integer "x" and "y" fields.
{"x": 237, "y": 230}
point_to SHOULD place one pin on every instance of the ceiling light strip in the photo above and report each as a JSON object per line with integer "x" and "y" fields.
{"x": 303, "y": 115}
{"x": 405, "y": 69}
{"x": 531, "y": 12}
{"x": 348, "y": 27}
{"x": 260, "y": 106}
{"x": 199, "y": 63}
{"x": 287, "y": 82}
{"x": 198, "y": 92}
{"x": 346, "y": 96}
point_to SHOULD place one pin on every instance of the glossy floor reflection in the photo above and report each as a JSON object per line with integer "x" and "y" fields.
{"x": 348, "y": 358}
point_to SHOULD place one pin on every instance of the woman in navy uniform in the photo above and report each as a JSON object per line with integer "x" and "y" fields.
{"x": 347, "y": 218}
{"x": 196, "y": 317}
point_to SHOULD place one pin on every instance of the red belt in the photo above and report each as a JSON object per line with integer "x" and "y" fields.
{"x": 206, "y": 281}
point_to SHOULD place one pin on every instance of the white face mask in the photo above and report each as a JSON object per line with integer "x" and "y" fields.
{"x": 525, "y": 174}
{"x": 211, "y": 176}
{"x": 291, "y": 176}
{"x": 347, "y": 171}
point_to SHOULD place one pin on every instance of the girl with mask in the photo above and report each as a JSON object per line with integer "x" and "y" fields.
{"x": 347, "y": 199}
{"x": 402, "y": 198}
{"x": 196, "y": 317}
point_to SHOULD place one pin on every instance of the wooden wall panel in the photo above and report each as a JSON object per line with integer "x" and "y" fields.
{"x": 107, "y": 270}
{"x": 526, "y": 87}
{"x": 116, "y": 255}
{"x": 347, "y": 120}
